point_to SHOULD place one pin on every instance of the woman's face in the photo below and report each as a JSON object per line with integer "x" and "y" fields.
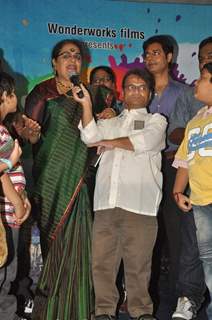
{"x": 68, "y": 61}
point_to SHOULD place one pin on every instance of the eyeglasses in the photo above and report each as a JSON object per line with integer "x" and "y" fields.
{"x": 208, "y": 57}
{"x": 155, "y": 53}
{"x": 134, "y": 88}
{"x": 67, "y": 55}
{"x": 101, "y": 80}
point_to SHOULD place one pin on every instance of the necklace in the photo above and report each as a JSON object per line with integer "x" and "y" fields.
{"x": 159, "y": 90}
{"x": 59, "y": 83}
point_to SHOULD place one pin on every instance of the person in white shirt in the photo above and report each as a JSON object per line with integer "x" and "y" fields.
{"x": 127, "y": 195}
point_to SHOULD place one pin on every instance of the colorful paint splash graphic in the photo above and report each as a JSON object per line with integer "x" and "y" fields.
{"x": 121, "y": 68}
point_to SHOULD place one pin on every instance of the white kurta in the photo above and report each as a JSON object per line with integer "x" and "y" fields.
{"x": 131, "y": 180}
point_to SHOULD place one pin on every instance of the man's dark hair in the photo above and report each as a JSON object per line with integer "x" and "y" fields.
{"x": 204, "y": 42}
{"x": 208, "y": 67}
{"x": 107, "y": 69}
{"x": 143, "y": 74}
{"x": 7, "y": 83}
{"x": 164, "y": 40}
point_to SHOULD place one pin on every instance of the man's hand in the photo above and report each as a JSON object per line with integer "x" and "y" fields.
{"x": 103, "y": 145}
{"x": 107, "y": 113}
{"x": 121, "y": 143}
{"x": 183, "y": 201}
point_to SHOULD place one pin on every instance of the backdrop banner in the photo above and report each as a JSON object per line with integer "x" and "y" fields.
{"x": 114, "y": 32}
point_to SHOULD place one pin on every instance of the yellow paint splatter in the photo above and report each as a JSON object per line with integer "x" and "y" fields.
{"x": 25, "y": 22}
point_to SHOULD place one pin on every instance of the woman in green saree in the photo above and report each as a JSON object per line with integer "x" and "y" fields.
{"x": 64, "y": 290}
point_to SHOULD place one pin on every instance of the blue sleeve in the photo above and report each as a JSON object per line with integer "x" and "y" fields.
{"x": 185, "y": 109}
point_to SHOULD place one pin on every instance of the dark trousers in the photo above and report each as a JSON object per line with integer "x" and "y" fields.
{"x": 21, "y": 285}
{"x": 171, "y": 216}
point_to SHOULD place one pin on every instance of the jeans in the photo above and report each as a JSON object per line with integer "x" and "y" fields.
{"x": 191, "y": 282}
{"x": 203, "y": 221}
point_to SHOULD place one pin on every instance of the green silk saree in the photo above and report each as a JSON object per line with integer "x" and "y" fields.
{"x": 64, "y": 291}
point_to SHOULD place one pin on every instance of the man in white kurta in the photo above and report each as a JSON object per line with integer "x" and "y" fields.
{"x": 127, "y": 196}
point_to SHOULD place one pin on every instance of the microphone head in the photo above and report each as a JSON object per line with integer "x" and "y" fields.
{"x": 75, "y": 79}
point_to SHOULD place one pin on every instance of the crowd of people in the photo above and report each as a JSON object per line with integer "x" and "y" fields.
{"x": 119, "y": 184}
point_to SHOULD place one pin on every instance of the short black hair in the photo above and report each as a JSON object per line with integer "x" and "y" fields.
{"x": 208, "y": 67}
{"x": 142, "y": 73}
{"x": 7, "y": 83}
{"x": 204, "y": 42}
{"x": 164, "y": 40}
{"x": 107, "y": 69}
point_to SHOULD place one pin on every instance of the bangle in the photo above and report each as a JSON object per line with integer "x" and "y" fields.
{"x": 8, "y": 163}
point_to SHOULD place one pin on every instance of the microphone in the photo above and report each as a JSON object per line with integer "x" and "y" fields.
{"x": 75, "y": 79}
{"x": 98, "y": 159}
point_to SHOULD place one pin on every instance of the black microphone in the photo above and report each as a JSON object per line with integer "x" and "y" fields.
{"x": 75, "y": 79}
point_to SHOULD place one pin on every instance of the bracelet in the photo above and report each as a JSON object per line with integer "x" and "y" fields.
{"x": 8, "y": 163}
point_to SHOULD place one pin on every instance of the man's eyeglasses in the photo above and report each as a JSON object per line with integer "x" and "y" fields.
{"x": 155, "y": 53}
{"x": 101, "y": 80}
{"x": 67, "y": 55}
{"x": 205, "y": 58}
{"x": 134, "y": 88}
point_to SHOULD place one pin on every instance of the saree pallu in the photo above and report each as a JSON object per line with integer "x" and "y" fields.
{"x": 64, "y": 291}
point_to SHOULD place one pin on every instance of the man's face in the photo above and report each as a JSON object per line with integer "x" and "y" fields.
{"x": 203, "y": 87}
{"x": 205, "y": 55}
{"x": 155, "y": 58}
{"x": 136, "y": 92}
{"x": 101, "y": 77}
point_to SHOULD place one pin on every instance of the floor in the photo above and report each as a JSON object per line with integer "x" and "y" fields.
{"x": 164, "y": 311}
{"x": 163, "y": 301}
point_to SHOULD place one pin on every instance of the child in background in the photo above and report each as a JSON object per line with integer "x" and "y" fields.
{"x": 194, "y": 162}
{"x": 14, "y": 204}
